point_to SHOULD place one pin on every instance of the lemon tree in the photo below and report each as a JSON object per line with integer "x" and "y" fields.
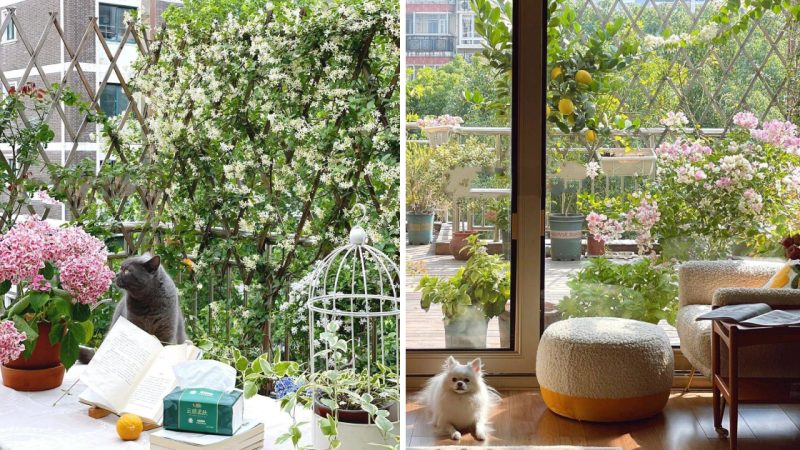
{"x": 579, "y": 72}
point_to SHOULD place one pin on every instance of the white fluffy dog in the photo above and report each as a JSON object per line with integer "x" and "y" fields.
{"x": 459, "y": 399}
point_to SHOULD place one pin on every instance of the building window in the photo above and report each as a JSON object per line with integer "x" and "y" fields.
{"x": 113, "y": 100}
{"x": 10, "y": 33}
{"x": 430, "y": 23}
{"x": 112, "y": 21}
{"x": 467, "y": 33}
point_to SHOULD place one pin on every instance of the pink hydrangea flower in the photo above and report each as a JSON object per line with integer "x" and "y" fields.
{"x": 746, "y": 120}
{"x": 44, "y": 197}
{"x": 10, "y": 342}
{"x": 85, "y": 279}
{"x": 39, "y": 283}
{"x": 79, "y": 257}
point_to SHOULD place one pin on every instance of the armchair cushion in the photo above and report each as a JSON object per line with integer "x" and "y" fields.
{"x": 698, "y": 280}
{"x": 772, "y": 297}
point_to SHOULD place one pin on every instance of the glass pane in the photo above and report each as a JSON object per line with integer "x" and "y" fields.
{"x": 458, "y": 194}
{"x": 641, "y": 152}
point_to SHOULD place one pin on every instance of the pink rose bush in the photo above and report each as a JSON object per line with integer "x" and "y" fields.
{"x": 79, "y": 258}
{"x": 10, "y": 342}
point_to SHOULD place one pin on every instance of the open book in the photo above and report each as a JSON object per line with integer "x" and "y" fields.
{"x": 754, "y": 315}
{"x": 132, "y": 372}
{"x": 736, "y": 313}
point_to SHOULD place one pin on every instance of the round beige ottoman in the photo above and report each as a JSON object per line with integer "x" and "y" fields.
{"x": 604, "y": 369}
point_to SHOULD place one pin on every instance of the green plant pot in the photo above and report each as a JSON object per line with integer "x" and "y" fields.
{"x": 566, "y": 231}
{"x": 419, "y": 228}
{"x": 466, "y": 333}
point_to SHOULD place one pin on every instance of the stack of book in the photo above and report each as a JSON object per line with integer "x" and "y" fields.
{"x": 249, "y": 437}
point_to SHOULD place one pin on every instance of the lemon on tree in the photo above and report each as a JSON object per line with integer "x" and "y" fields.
{"x": 555, "y": 73}
{"x": 583, "y": 77}
{"x": 566, "y": 107}
{"x": 591, "y": 135}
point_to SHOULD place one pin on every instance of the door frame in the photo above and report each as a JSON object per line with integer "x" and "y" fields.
{"x": 516, "y": 368}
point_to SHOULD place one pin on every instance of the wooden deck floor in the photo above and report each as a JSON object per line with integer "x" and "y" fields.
{"x": 685, "y": 424}
{"x": 425, "y": 329}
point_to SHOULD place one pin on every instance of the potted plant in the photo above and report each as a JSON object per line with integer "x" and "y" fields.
{"x": 437, "y": 129}
{"x": 353, "y": 408}
{"x": 59, "y": 274}
{"x": 421, "y": 193}
{"x": 471, "y": 297}
{"x": 641, "y": 290}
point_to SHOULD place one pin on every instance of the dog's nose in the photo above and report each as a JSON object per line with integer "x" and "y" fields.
{"x": 460, "y": 385}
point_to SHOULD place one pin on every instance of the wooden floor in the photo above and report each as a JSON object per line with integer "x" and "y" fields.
{"x": 686, "y": 424}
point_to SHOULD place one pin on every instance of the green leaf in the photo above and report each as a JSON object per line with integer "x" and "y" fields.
{"x": 38, "y": 300}
{"x": 31, "y": 335}
{"x": 250, "y": 389}
{"x": 56, "y": 332}
{"x": 48, "y": 271}
{"x": 5, "y": 286}
{"x": 58, "y": 308}
{"x": 69, "y": 346}
{"x": 19, "y": 306}
{"x": 88, "y": 330}
{"x": 81, "y": 312}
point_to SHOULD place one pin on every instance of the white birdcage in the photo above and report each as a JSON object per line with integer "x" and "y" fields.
{"x": 356, "y": 287}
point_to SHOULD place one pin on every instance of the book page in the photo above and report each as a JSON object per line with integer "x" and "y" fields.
{"x": 121, "y": 361}
{"x": 147, "y": 400}
{"x": 736, "y": 313}
{"x": 775, "y": 318}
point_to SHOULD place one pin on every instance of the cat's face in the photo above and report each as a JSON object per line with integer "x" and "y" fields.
{"x": 138, "y": 272}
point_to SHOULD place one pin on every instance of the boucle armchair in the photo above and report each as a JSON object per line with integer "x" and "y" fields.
{"x": 702, "y": 284}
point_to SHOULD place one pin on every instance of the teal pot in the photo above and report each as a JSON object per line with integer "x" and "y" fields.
{"x": 566, "y": 231}
{"x": 466, "y": 332}
{"x": 419, "y": 228}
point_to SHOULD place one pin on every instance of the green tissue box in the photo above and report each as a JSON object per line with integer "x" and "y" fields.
{"x": 201, "y": 410}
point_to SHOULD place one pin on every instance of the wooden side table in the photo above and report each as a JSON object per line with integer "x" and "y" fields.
{"x": 736, "y": 390}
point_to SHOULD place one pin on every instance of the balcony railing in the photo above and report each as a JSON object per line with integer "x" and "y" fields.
{"x": 430, "y": 44}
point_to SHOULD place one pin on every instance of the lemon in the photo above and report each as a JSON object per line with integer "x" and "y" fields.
{"x": 547, "y": 111}
{"x": 555, "y": 73}
{"x": 583, "y": 77}
{"x": 566, "y": 107}
{"x": 591, "y": 135}
{"x": 129, "y": 427}
{"x": 571, "y": 119}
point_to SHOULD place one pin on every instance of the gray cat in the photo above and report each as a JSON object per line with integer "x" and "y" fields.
{"x": 150, "y": 301}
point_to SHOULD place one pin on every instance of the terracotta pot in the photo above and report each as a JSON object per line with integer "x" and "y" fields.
{"x": 458, "y": 242}
{"x": 42, "y": 371}
{"x": 595, "y": 247}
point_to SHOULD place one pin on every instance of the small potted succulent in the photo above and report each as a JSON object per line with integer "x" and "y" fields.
{"x": 471, "y": 297}
{"x": 437, "y": 129}
{"x": 59, "y": 274}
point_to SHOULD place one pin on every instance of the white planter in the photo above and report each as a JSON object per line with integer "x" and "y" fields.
{"x": 353, "y": 436}
{"x": 641, "y": 162}
{"x": 571, "y": 171}
{"x": 437, "y": 135}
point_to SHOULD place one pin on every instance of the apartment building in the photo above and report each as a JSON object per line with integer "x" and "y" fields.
{"x": 32, "y": 19}
{"x": 437, "y": 31}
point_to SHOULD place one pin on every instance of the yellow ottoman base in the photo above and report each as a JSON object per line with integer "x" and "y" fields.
{"x": 605, "y": 409}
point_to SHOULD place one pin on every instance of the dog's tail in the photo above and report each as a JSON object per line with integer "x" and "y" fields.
{"x": 85, "y": 354}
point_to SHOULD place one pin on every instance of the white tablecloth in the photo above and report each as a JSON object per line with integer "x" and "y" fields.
{"x": 29, "y": 421}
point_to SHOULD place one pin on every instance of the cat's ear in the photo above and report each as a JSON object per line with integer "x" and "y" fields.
{"x": 153, "y": 263}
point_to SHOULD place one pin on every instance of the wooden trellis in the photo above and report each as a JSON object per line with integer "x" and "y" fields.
{"x": 781, "y": 37}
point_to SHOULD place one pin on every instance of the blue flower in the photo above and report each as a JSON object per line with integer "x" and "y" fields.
{"x": 285, "y": 386}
